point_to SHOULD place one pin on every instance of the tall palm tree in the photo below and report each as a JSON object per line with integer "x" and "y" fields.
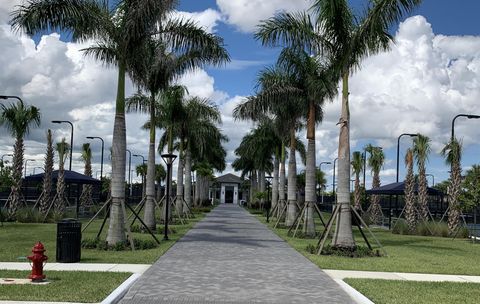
{"x": 119, "y": 36}
{"x": 46, "y": 198}
{"x": 331, "y": 29}
{"x": 158, "y": 68}
{"x": 60, "y": 200}
{"x": 86, "y": 196}
{"x": 453, "y": 156}
{"x": 421, "y": 150}
{"x": 375, "y": 162}
{"x": 357, "y": 168}
{"x": 18, "y": 118}
{"x": 410, "y": 208}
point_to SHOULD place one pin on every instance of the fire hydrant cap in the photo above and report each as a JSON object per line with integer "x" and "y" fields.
{"x": 38, "y": 247}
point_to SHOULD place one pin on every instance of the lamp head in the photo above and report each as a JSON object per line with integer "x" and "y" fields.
{"x": 3, "y": 97}
{"x": 473, "y": 116}
{"x": 327, "y": 163}
{"x": 90, "y": 137}
{"x": 56, "y": 121}
{"x": 412, "y": 135}
{"x": 169, "y": 158}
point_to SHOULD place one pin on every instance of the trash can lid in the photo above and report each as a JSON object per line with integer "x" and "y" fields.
{"x": 69, "y": 220}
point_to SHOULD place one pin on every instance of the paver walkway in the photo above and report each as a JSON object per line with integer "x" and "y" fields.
{"x": 230, "y": 257}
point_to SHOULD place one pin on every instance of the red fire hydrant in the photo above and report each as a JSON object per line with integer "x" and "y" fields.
{"x": 37, "y": 258}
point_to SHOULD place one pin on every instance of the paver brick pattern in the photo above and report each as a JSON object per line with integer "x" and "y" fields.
{"x": 230, "y": 257}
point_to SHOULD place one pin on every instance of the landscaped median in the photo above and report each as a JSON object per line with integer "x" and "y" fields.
{"x": 406, "y": 254}
{"x": 17, "y": 240}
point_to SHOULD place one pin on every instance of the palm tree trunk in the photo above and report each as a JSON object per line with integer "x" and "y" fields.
{"x": 375, "y": 208}
{"x": 261, "y": 182}
{"x": 310, "y": 195}
{"x": 47, "y": 176}
{"x": 281, "y": 186}
{"x": 15, "y": 195}
{"x": 253, "y": 182}
{"x": 179, "y": 199}
{"x": 343, "y": 237}
{"x": 188, "y": 177}
{"x": 149, "y": 215}
{"x": 116, "y": 228}
{"x": 410, "y": 214}
{"x": 275, "y": 182}
{"x": 422, "y": 192}
{"x": 453, "y": 194}
{"x": 292, "y": 183}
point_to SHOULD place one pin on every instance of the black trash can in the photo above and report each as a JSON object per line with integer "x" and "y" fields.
{"x": 69, "y": 239}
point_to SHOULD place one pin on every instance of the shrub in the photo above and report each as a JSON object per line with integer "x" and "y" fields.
{"x": 400, "y": 227}
{"x": 311, "y": 249}
{"x": 359, "y": 252}
{"x": 27, "y": 215}
{"x": 120, "y": 246}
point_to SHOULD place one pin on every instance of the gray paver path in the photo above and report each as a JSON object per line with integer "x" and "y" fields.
{"x": 230, "y": 257}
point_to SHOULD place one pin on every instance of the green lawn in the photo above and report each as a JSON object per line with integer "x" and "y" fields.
{"x": 18, "y": 239}
{"x": 406, "y": 253}
{"x": 66, "y": 286}
{"x": 389, "y": 292}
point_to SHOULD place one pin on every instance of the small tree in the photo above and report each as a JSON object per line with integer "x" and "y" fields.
{"x": 421, "y": 150}
{"x": 357, "y": 168}
{"x": 46, "y": 197}
{"x": 470, "y": 196}
{"x": 453, "y": 154}
{"x": 375, "y": 162}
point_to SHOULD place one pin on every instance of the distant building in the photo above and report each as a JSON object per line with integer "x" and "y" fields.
{"x": 227, "y": 189}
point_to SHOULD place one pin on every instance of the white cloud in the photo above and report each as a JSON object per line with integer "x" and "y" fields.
{"x": 246, "y": 14}
{"x": 207, "y": 19}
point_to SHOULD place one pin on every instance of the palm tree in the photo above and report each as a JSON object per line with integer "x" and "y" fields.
{"x": 60, "y": 200}
{"x": 421, "y": 150}
{"x": 86, "y": 196}
{"x": 333, "y": 30}
{"x": 141, "y": 171}
{"x": 158, "y": 68}
{"x": 18, "y": 119}
{"x": 46, "y": 198}
{"x": 160, "y": 175}
{"x": 375, "y": 162}
{"x": 119, "y": 36}
{"x": 410, "y": 208}
{"x": 453, "y": 156}
{"x": 357, "y": 168}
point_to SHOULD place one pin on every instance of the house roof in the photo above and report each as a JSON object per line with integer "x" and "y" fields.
{"x": 399, "y": 189}
{"x": 229, "y": 178}
{"x": 71, "y": 177}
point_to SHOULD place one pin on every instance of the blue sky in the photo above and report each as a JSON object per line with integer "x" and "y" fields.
{"x": 430, "y": 75}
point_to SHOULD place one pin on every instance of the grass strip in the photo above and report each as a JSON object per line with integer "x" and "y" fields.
{"x": 65, "y": 286}
{"x": 398, "y": 292}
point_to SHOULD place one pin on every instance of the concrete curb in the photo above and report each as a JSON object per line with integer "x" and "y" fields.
{"x": 121, "y": 290}
{"x": 352, "y": 292}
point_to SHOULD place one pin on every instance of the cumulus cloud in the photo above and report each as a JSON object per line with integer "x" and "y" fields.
{"x": 207, "y": 19}
{"x": 246, "y": 14}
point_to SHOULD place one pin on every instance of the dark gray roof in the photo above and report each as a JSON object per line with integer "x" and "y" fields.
{"x": 71, "y": 177}
{"x": 399, "y": 189}
{"x": 229, "y": 179}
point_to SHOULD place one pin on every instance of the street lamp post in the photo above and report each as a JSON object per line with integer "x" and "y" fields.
{"x": 10, "y": 97}
{"x": 168, "y": 158}
{"x": 11, "y": 155}
{"x": 469, "y": 116}
{"x": 365, "y": 170}
{"x": 143, "y": 179}
{"x": 26, "y": 162}
{"x": 71, "y": 139}
{"x": 268, "y": 202}
{"x": 101, "y": 160}
{"x": 433, "y": 179}
{"x": 320, "y": 168}
{"x": 398, "y": 150}
{"x": 138, "y": 155}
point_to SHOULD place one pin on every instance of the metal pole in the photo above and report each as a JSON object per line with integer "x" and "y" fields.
{"x": 103, "y": 148}
{"x": 167, "y": 202}
{"x": 398, "y": 151}
{"x": 333, "y": 182}
{"x": 71, "y": 140}
{"x": 129, "y": 169}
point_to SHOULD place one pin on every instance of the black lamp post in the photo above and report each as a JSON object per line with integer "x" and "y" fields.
{"x": 398, "y": 150}
{"x": 143, "y": 176}
{"x": 268, "y": 202}
{"x": 168, "y": 158}
{"x": 333, "y": 179}
{"x": 433, "y": 179}
{"x": 4, "y": 156}
{"x": 10, "y": 97}
{"x": 101, "y": 160}
{"x": 469, "y": 116}
{"x": 26, "y": 162}
{"x": 71, "y": 139}
{"x": 320, "y": 168}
